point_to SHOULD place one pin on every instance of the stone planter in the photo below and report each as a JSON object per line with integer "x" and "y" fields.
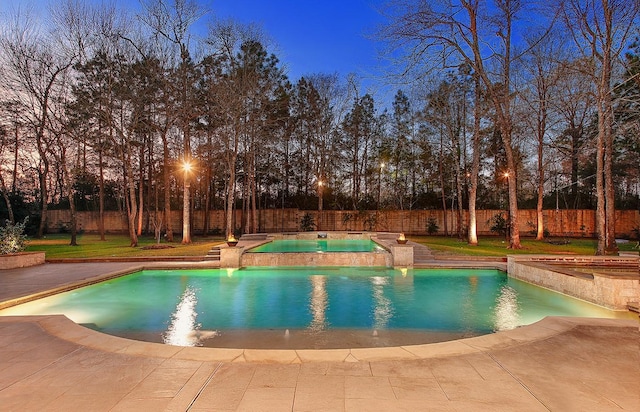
{"x": 21, "y": 260}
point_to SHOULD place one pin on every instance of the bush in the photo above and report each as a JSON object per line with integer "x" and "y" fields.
{"x": 432, "y": 226}
{"x": 12, "y": 237}
{"x": 498, "y": 224}
{"x": 306, "y": 223}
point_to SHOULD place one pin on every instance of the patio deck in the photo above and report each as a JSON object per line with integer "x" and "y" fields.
{"x": 563, "y": 364}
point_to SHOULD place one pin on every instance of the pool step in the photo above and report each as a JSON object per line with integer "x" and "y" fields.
{"x": 213, "y": 254}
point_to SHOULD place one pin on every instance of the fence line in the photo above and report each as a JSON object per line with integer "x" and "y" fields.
{"x": 572, "y": 223}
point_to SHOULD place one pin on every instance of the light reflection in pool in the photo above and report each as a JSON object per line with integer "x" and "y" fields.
{"x": 183, "y": 326}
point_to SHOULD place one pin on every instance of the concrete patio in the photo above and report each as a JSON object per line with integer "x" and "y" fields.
{"x": 559, "y": 364}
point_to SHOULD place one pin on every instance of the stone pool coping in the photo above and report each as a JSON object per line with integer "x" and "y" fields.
{"x": 63, "y": 328}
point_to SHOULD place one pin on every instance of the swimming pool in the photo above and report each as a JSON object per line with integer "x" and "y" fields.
{"x": 305, "y": 307}
{"x": 317, "y": 246}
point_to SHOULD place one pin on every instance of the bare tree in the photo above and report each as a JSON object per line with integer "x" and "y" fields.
{"x": 3, "y": 186}
{"x": 172, "y": 20}
{"x": 600, "y": 30}
{"x": 35, "y": 65}
{"x": 541, "y": 69}
{"x": 226, "y": 39}
{"x": 465, "y": 31}
{"x": 573, "y": 104}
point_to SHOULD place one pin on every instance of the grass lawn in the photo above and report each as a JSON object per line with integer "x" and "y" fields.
{"x": 90, "y": 246}
{"x": 497, "y": 246}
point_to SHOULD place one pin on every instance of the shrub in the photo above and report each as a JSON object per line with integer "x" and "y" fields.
{"x": 306, "y": 223}
{"x": 498, "y": 224}
{"x": 432, "y": 225}
{"x": 12, "y": 237}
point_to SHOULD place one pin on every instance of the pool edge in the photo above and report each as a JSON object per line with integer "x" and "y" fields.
{"x": 63, "y": 328}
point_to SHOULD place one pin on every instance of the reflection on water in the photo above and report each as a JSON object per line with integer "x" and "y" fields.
{"x": 507, "y": 311}
{"x": 469, "y": 304}
{"x": 383, "y": 308}
{"x": 183, "y": 329}
{"x": 318, "y": 303}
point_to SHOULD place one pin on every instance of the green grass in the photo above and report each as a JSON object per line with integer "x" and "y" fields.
{"x": 90, "y": 246}
{"x": 497, "y": 246}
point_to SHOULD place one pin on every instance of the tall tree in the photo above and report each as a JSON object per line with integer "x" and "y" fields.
{"x": 600, "y": 30}
{"x": 465, "y": 32}
{"x": 542, "y": 71}
{"x": 34, "y": 75}
{"x": 172, "y": 21}
{"x": 3, "y": 186}
{"x": 359, "y": 133}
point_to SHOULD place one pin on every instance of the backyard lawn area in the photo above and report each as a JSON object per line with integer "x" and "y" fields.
{"x": 497, "y": 246}
{"x": 90, "y": 246}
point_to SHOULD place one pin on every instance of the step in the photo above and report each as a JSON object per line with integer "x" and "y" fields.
{"x": 213, "y": 254}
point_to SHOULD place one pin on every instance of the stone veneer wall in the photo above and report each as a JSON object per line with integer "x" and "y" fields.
{"x": 611, "y": 291}
{"x": 21, "y": 260}
{"x": 380, "y": 258}
{"x": 317, "y": 259}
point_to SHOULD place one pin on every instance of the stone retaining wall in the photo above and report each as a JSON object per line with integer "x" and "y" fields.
{"x": 21, "y": 260}
{"x": 611, "y": 290}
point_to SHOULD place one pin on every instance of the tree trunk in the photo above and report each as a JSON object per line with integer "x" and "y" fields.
{"x": 254, "y": 189}
{"x": 167, "y": 188}
{"x": 611, "y": 246}
{"x": 43, "y": 196}
{"x": 514, "y": 230}
{"x": 132, "y": 209}
{"x": 101, "y": 193}
{"x": 141, "y": 193}
{"x": 231, "y": 195}
{"x": 441, "y": 173}
{"x": 600, "y": 198}
{"x": 459, "y": 196}
{"x": 207, "y": 194}
{"x": 475, "y": 166}
{"x": 74, "y": 218}
{"x": 186, "y": 211}
{"x": 539, "y": 204}
{"x": 5, "y": 196}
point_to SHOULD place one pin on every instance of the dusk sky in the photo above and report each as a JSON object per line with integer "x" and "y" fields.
{"x": 312, "y": 36}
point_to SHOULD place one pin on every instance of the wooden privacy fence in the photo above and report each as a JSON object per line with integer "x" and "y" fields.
{"x": 571, "y": 223}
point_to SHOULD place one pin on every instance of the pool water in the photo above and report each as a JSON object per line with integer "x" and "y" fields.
{"x": 317, "y": 246}
{"x": 187, "y": 307}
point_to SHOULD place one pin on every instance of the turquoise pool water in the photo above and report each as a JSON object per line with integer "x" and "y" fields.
{"x": 317, "y": 246}
{"x": 185, "y": 307}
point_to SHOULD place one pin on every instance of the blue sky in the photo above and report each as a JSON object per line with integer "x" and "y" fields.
{"x": 312, "y": 36}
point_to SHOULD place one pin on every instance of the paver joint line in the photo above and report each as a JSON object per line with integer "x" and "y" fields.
{"x": 204, "y": 385}
{"x": 524, "y": 386}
